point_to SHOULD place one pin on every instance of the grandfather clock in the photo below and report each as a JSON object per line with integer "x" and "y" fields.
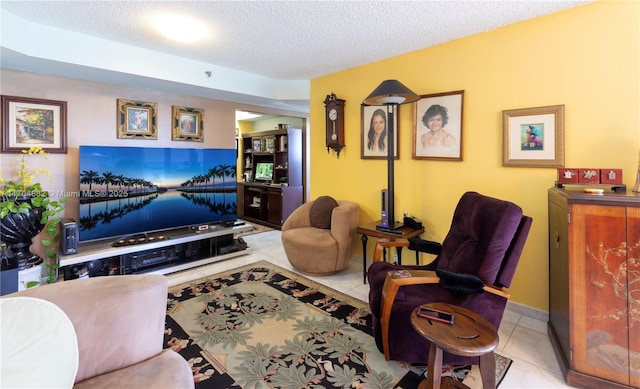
{"x": 334, "y": 110}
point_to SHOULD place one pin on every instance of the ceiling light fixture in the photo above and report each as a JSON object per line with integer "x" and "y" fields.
{"x": 180, "y": 28}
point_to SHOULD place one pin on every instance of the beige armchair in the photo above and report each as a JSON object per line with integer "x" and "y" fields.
{"x": 320, "y": 250}
{"x": 119, "y": 323}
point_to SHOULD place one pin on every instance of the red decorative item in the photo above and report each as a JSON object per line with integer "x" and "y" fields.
{"x": 611, "y": 176}
{"x": 567, "y": 175}
{"x": 589, "y": 176}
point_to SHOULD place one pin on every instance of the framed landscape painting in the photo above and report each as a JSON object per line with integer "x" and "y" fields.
{"x": 28, "y": 122}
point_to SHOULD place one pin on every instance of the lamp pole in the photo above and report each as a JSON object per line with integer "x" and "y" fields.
{"x": 390, "y": 167}
{"x": 391, "y": 93}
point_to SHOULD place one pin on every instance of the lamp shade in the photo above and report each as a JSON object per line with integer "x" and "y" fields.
{"x": 391, "y": 92}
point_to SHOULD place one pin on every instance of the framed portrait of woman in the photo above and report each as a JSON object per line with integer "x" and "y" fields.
{"x": 437, "y": 126}
{"x": 375, "y": 132}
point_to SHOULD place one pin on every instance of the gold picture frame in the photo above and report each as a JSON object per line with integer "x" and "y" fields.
{"x": 188, "y": 124}
{"x": 30, "y": 122}
{"x": 533, "y": 137}
{"x": 137, "y": 119}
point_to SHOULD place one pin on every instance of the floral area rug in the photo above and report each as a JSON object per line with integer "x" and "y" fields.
{"x": 261, "y": 326}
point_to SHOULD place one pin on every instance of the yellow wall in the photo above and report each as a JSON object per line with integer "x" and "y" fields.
{"x": 586, "y": 58}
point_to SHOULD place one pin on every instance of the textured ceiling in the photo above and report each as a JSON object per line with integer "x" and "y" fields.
{"x": 287, "y": 40}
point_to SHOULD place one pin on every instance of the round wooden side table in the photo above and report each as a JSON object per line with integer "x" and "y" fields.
{"x": 470, "y": 335}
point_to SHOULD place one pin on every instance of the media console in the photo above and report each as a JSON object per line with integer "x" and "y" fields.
{"x": 178, "y": 249}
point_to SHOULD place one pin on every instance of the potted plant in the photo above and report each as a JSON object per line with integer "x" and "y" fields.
{"x": 25, "y": 210}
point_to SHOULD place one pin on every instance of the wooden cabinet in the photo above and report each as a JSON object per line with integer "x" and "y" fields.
{"x": 594, "y": 280}
{"x": 270, "y": 200}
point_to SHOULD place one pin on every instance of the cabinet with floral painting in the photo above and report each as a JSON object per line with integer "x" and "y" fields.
{"x": 594, "y": 278}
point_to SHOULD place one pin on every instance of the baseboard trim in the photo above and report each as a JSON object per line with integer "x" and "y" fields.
{"x": 527, "y": 311}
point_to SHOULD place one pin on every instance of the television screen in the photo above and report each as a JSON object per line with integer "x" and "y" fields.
{"x": 132, "y": 190}
{"x": 264, "y": 171}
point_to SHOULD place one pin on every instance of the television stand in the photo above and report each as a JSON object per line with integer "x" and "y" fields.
{"x": 180, "y": 249}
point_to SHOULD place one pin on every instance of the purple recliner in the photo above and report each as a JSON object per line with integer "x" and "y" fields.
{"x": 486, "y": 238}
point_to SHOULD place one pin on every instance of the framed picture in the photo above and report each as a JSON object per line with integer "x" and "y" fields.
{"x": 437, "y": 126}
{"x": 257, "y": 144}
{"x": 269, "y": 144}
{"x": 188, "y": 124}
{"x": 137, "y": 120}
{"x": 30, "y": 122}
{"x": 533, "y": 137}
{"x": 374, "y": 132}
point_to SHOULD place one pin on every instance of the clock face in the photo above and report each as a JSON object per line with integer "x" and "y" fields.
{"x": 333, "y": 114}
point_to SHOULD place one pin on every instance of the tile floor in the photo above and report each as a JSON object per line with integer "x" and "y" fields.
{"x": 522, "y": 338}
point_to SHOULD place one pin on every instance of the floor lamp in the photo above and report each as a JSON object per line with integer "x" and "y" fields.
{"x": 391, "y": 93}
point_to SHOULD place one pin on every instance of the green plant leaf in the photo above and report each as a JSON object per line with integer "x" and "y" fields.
{"x": 32, "y": 284}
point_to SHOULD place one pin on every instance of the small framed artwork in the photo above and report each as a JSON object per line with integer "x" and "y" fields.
{"x": 269, "y": 144}
{"x": 28, "y": 122}
{"x": 137, "y": 119}
{"x": 188, "y": 124}
{"x": 257, "y": 144}
{"x": 533, "y": 137}
{"x": 374, "y": 133}
{"x": 437, "y": 126}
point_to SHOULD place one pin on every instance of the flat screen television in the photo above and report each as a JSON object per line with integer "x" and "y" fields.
{"x": 126, "y": 191}
{"x": 264, "y": 171}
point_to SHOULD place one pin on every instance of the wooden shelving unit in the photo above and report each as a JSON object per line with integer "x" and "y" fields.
{"x": 271, "y": 202}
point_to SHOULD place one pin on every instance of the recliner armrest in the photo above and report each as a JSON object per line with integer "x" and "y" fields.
{"x": 418, "y": 277}
{"x": 424, "y": 246}
{"x": 383, "y": 244}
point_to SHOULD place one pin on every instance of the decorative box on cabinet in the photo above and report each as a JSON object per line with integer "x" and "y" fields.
{"x": 594, "y": 281}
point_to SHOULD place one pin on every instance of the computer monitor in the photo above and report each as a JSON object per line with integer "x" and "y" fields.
{"x": 264, "y": 171}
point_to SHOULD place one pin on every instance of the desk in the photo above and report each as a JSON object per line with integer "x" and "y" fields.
{"x": 470, "y": 335}
{"x": 370, "y": 230}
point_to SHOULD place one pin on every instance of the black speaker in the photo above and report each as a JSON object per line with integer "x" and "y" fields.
{"x": 95, "y": 267}
{"x": 384, "y": 197}
{"x": 68, "y": 236}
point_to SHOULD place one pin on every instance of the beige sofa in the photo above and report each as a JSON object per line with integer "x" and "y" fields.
{"x": 320, "y": 251}
{"x": 119, "y": 323}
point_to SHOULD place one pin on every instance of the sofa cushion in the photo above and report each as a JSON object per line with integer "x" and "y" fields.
{"x": 320, "y": 213}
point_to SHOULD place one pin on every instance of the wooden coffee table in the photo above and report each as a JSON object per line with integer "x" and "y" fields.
{"x": 471, "y": 336}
